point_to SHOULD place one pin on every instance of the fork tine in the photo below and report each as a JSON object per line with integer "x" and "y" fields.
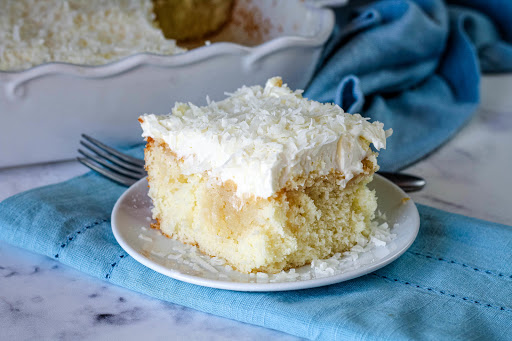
{"x": 114, "y": 152}
{"x": 111, "y": 166}
{"x": 120, "y": 179}
{"x": 115, "y": 160}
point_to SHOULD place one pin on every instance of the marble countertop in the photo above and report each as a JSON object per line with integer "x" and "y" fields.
{"x": 45, "y": 300}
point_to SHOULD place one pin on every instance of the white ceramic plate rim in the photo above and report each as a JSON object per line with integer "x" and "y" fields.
{"x": 262, "y": 287}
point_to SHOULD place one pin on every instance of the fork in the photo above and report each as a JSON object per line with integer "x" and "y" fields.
{"x": 111, "y": 163}
{"x": 127, "y": 170}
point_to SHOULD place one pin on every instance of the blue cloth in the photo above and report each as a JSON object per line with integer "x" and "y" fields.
{"x": 455, "y": 282}
{"x": 415, "y": 66}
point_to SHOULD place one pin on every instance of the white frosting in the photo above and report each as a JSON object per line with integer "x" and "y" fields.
{"x": 261, "y": 137}
{"x": 88, "y": 32}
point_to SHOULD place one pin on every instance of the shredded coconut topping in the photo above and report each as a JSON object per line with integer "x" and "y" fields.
{"x": 88, "y": 32}
{"x": 262, "y": 137}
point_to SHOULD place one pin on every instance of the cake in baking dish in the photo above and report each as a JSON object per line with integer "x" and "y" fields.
{"x": 266, "y": 179}
{"x": 94, "y": 32}
{"x": 87, "y": 32}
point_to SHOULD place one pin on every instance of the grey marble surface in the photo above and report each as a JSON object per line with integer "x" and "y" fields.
{"x": 40, "y": 299}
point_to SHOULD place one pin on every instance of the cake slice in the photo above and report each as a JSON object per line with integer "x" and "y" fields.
{"x": 266, "y": 179}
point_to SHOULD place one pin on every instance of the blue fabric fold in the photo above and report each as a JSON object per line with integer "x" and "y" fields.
{"x": 415, "y": 66}
{"x": 455, "y": 282}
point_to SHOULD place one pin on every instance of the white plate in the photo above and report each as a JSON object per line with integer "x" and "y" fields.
{"x": 131, "y": 226}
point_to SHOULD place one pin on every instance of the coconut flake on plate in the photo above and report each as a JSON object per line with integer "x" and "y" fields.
{"x": 366, "y": 251}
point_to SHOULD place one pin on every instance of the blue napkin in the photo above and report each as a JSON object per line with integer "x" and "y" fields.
{"x": 455, "y": 282}
{"x": 415, "y": 66}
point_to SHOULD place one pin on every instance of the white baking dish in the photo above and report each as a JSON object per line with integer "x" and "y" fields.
{"x": 43, "y": 110}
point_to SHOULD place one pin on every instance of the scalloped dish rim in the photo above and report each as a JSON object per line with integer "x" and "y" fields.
{"x": 325, "y": 17}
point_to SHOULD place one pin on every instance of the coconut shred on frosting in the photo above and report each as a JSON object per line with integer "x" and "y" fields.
{"x": 260, "y": 138}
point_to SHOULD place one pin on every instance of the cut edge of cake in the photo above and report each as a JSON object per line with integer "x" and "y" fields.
{"x": 287, "y": 230}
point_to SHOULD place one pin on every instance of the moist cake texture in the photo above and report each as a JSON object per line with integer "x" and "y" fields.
{"x": 266, "y": 179}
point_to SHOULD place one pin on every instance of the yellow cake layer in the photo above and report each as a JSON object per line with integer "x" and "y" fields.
{"x": 311, "y": 218}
